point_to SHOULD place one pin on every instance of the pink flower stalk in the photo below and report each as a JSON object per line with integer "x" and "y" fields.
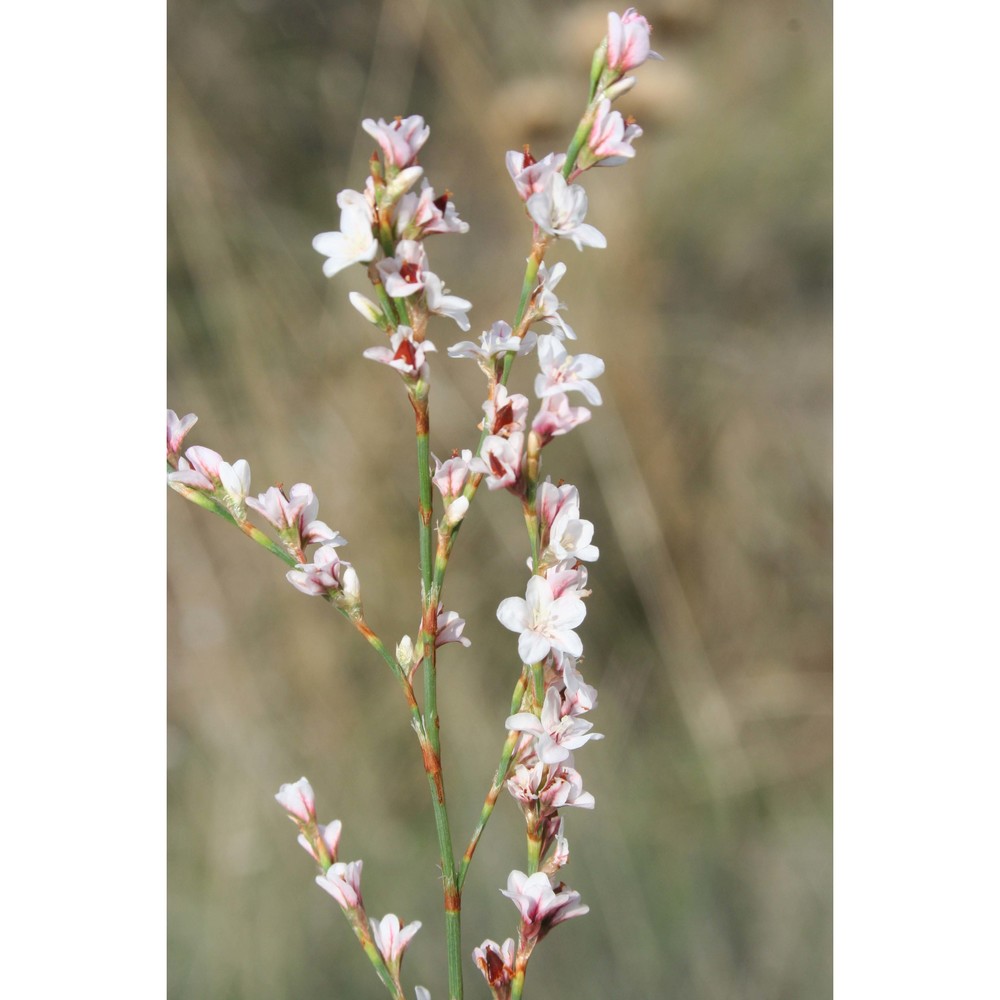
{"x": 177, "y": 428}
{"x": 610, "y": 141}
{"x": 496, "y": 963}
{"x": 400, "y": 140}
{"x": 559, "y": 209}
{"x": 298, "y": 799}
{"x": 556, "y": 417}
{"x": 546, "y": 304}
{"x": 506, "y": 413}
{"x": 562, "y": 372}
{"x": 628, "y": 41}
{"x": 326, "y": 574}
{"x": 543, "y": 621}
{"x": 391, "y": 939}
{"x": 343, "y": 882}
{"x": 354, "y": 243}
{"x": 330, "y": 835}
{"x": 404, "y": 354}
{"x": 500, "y": 459}
{"x": 555, "y": 735}
{"x": 403, "y": 274}
{"x": 530, "y": 176}
{"x": 424, "y": 215}
{"x": 541, "y": 907}
{"x": 441, "y": 303}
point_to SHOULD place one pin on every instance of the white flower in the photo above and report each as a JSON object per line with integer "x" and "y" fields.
{"x": 546, "y": 303}
{"x": 493, "y": 344}
{"x": 235, "y": 480}
{"x": 404, "y": 354}
{"x": 562, "y": 372}
{"x": 500, "y": 460}
{"x": 569, "y": 537}
{"x": 343, "y": 882}
{"x": 391, "y": 938}
{"x": 354, "y": 243}
{"x": 555, "y": 734}
{"x": 540, "y": 906}
{"x": 400, "y": 139}
{"x": 441, "y": 303}
{"x": 403, "y": 274}
{"x": 559, "y": 210}
{"x": 530, "y": 175}
{"x": 449, "y": 629}
{"x": 545, "y": 623}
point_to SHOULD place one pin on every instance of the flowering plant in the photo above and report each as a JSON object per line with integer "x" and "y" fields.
{"x": 384, "y": 228}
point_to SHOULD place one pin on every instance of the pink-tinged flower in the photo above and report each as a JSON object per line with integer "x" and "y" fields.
{"x": 556, "y": 417}
{"x": 541, "y": 907}
{"x": 544, "y": 622}
{"x": 567, "y": 577}
{"x": 425, "y": 215}
{"x": 552, "y": 500}
{"x": 506, "y": 413}
{"x": 403, "y": 274}
{"x": 404, "y": 354}
{"x": 449, "y": 629}
{"x": 526, "y": 782}
{"x": 559, "y": 857}
{"x": 565, "y": 788}
{"x": 177, "y": 428}
{"x": 610, "y": 141}
{"x": 198, "y": 467}
{"x": 441, "y": 303}
{"x": 496, "y": 963}
{"x": 628, "y": 41}
{"x": 530, "y": 176}
{"x": 579, "y": 696}
{"x": 329, "y": 834}
{"x": 391, "y": 939}
{"x": 343, "y": 882}
{"x": 354, "y": 243}
{"x": 559, "y": 209}
{"x": 493, "y": 344}
{"x": 326, "y": 574}
{"x": 555, "y": 735}
{"x": 500, "y": 460}
{"x": 451, "y": 476}
{"x": 400, "y": 140}
{"x": 546, "y": 304}
{"x": 294, "y": 516}
{"x": 562, "y": 372}
{"x": 298, "y": 798}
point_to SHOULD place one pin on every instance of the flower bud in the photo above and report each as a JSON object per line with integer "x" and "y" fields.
{"x": 368, "y": 309}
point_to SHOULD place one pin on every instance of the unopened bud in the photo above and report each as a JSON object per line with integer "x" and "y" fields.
{"x": 616, "y": 90}
{"x": 368, "y": 309}
{"x": 402, "y": 183}
{"x": 404, "y": 652}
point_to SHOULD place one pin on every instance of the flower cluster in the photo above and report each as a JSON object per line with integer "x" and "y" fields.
{"x": 203, "y": 476}
{"x": 384, "y": 227}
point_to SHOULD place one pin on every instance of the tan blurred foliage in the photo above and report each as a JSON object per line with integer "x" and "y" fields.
{"x": 707, "y": 472}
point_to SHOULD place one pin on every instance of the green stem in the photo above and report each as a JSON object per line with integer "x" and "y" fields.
{"x": 431, "y": 734}
{"x": 503, "y": 769}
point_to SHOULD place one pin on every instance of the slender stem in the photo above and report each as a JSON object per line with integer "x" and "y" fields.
{"x": 503, "y": 769}
{"x": 430, "y": 731}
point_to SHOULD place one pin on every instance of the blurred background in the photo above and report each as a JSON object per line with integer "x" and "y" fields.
{"x": 707, "y": 472}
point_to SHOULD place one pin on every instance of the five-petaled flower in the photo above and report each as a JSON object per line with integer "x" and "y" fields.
{"x": 355, "y": 242}
{"x": 545, "y": 622}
